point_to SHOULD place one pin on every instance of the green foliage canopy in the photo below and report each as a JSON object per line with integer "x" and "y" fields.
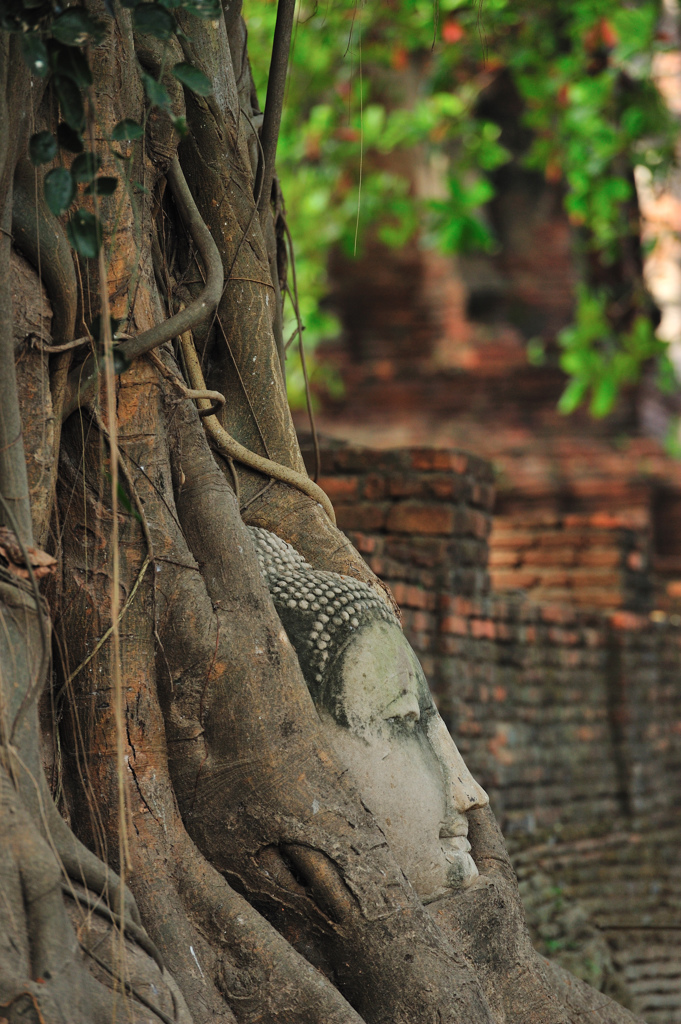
{"x": 370, "y": 81}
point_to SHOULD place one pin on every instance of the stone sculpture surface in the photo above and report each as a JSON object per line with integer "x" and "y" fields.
{"x": 375, "y": 705}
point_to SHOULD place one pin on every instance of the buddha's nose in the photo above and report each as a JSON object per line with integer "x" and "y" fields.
{"x": 463, "y": 792}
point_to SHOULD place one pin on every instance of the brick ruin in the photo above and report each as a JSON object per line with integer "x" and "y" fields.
{"x": 569, "y": 716}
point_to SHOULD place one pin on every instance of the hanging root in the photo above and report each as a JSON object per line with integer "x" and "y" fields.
{"x": 231, "y": 449}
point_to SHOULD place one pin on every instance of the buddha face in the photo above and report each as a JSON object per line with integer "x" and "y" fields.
{"x": 379, "y": 715}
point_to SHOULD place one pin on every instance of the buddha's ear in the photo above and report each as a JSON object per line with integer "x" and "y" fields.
{"x": 488, "y": 848}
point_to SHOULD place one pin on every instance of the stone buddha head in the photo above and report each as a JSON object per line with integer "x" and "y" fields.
{"x": 375, "y": 706}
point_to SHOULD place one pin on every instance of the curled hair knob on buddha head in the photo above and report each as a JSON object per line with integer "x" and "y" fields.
{"x": 320, "y": 611}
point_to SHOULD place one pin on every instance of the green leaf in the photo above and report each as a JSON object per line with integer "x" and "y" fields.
{"x": 42, "y": 147}
{"x": 71, "y": 63}
{"x": 59, "y": 190}
{"x": 156, "y": 92}
{"x": 121, "y": 363}
{"x": 180, "y": 126}
{"x": 71, "y": 102}
{"x": 74, "y": 27}
{"x": 85, "y": 234}
{"x": 123, "y": 498}
{"x": 209, "y": 9}
{"x": 35, "y": 53}
{"x": 85, "y": 166}
{"x": 603, "y": 399}
{"x": 572, "y": 396}
{"x": 127, "y": 130}
{"x": 102, "y": 186}
{"x": 68, "y": 139}
{"x": 95, "y": 327}
{"x": 154, "y": 20}
{"x": 193, "y": 78}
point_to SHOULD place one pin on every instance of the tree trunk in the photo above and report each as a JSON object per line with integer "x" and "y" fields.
{"x": 213, "y": 859}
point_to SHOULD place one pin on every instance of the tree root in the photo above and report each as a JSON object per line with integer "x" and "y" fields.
{"x": 230, "y": 448}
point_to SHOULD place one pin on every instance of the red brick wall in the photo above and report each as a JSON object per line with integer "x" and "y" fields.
{"x": 569, "y": 716}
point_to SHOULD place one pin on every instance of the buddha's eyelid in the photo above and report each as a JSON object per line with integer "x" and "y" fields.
{"x": 404, "y": 706}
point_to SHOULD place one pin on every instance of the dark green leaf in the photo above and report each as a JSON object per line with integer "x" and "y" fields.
{"x": 70, "y": 62}
{"x": 59, "y": 190}
{"x": 85, "y": 234}
{"x": 42, "y": 148}
{"x": 130, "y": 4}
{"x": 193, "y": 78}
{"x": 102, "y": 186}
{"x": 204, "y": 8}
{"x": 15, "y": 16}
{"x": 68, "y": 139}
{"x": 180, "y": 126}
{"x": 95, "y": 327}
{"x": 35, "y": 53}
{"x": 127, "y": 130}
{"x": 121, "y": 491}
{"x": 120, "y": 361}
{"x": 71, "y": 102}
{"x": 157, "y": 93}
{"x": 74, "y": 27}
{"x": 154, "y": 20}
{"x": 85, "y": 166}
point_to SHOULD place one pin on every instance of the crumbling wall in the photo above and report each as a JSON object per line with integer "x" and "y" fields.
{"x": 569, "y": 715}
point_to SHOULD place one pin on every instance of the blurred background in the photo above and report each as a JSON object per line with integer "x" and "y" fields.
{"x": 484, "y": 202}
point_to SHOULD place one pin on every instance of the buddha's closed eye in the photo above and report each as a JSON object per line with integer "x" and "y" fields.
{"x": 404, "y": 708}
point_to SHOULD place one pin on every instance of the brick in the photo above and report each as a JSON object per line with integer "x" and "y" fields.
{"x": 511, "y": 538}
{"x": 422, "y": 621}
{"x": 374, "y": 487}
{"x": 553, "y": 577}
{"x": 627, "y": 621}
{"x": 596, "y": 577}
{"x": 432, "y": 459}
{"x": 602, "y": 557}
{"x": 563, "y": 538}
{"x": 364, "y": 543}
{"x": 597, "y": 597}
{"x": 339, "y": 488}
{"x": 404, "y": 486}
{"x": 416, "y": 597}
{"x": 499, "y": 557}
{"x": 413, "y": 517}
{"x": 471, "y": 522}
{"x": 549, "y": 556}
{"x": 483, "y": 629}
{"x": 483, "y": 495}
{"x": 362, "y": 516}
{"x": 557, "y": 614}
{"x": 454, "y": 624}
{"x": 516, "y": 579}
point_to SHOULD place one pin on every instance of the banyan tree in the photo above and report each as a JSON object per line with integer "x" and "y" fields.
{"x": 226, "y": 794}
